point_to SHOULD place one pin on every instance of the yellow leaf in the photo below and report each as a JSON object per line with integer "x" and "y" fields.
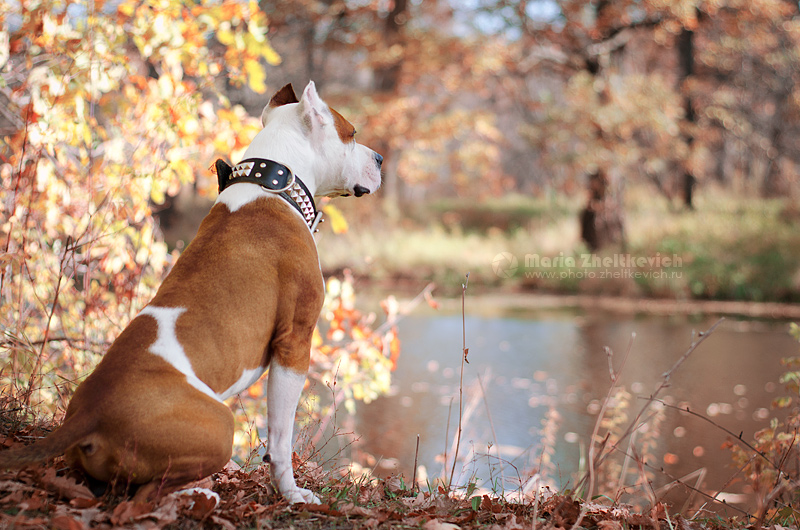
{"x": 269, "y": 53}
{"x": 225, "y": 36}
{"x": 127, "y": 8}
{"x": 338, "y": 222}
{"x": 157, "y": 195}
{"x": 256, "y": 76}
{"x": 183, "y": 170}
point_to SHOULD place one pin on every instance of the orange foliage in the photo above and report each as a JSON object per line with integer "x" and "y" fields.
{"x": 109, "y": 110}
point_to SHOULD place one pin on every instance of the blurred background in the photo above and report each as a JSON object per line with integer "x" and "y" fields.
{"x": 599, "y": 168}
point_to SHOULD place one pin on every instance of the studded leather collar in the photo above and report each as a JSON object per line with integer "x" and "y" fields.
{"x": 274, "y": 178}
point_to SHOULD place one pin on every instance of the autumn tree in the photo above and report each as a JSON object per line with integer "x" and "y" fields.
{"x": 745, "y": 92}
{"x": 616, "y": 91}
{"x": 109, "y": 108}
{"x": 613, "y": 118}
{"x": 110, "y": 117}
{"x": 416, "y": 87}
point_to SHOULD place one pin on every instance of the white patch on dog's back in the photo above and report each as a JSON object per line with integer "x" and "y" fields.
{"x": 247, "y": 378}
{"x": 236, "y": 196}
{"x": 168, "y": 348}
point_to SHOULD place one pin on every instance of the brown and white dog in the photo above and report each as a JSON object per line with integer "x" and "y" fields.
{"x": 244, "y": 295}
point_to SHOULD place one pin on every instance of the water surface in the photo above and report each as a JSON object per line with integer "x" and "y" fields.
{"x": 534, "y": 385}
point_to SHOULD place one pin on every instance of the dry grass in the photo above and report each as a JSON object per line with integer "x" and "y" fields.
{"x": 733, "y": 248}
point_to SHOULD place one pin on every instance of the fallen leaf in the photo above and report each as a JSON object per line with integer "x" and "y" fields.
{"x": 659, "y": 511}
{"x": 395, "y": 485}
{"x": 36, "y": 501}
{"x": 488, "y": 505}
{"x": 609, "y": 524}
{"x": 65, "y": 522}
{"x": 223, "y": 523}
{"x": 435, "y": 524}
{"x": 13, "y": 499}
{"x": 352, "y": 509}
{"x": 83, "y": 503}
{"x": 66, "y": 487}
{"x": 422, "y": 500}
{"x": 201, "y": 505}
{"x": 129, "y": 511}
{"x": 509, "y": 521}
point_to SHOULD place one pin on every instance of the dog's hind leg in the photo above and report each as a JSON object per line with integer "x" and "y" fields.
{"x": 162, "y": 444}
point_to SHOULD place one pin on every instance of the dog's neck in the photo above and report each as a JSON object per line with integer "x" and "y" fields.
{"x": 271, "y": 177}
{"x": 286, "y": 146}
{"x": 282, "y": 145}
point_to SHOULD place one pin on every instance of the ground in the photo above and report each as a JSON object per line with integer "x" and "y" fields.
{"x": 52, "y": 496}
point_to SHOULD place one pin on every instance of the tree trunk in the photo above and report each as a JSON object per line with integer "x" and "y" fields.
{"x": 601, "y": 219}
{"x": 772, "y": 185}
{"x": 686, "y": 63}
{"x": 387, "y": 80}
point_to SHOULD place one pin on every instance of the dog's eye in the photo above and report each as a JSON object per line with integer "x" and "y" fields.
{"x": 353, "y": 134}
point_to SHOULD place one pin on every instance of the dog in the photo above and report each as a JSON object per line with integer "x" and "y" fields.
{"x": 245, "y": 295}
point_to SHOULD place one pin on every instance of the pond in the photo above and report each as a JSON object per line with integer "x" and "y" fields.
{"x": 534, "y": 386}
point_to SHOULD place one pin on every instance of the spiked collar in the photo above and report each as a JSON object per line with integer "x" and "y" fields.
{"x": 274, "y": 178}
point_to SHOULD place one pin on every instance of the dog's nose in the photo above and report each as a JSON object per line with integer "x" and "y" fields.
{"x": 379, "y": 160}
{"x": 360, "y": 190}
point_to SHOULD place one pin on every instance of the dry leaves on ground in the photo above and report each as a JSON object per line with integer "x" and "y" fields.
{"x": 53, "y": 497}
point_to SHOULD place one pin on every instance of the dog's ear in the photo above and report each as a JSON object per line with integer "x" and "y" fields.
{"x": 284, "y": 96}
{"x": 223, "y": 171}
{"x": 313, "y": 111}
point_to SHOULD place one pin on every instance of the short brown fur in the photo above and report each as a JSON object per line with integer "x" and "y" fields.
{"x": 251, "y": 283}
{"x": 344, "y": 128}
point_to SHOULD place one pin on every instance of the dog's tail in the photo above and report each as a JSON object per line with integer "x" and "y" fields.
{"x": 73, "y": 431}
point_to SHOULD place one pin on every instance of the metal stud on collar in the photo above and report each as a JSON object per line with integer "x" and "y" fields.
{"x": 285, "y": 188}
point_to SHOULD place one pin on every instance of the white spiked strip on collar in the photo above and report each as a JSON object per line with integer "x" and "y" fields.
{"x": 274, "y": 178}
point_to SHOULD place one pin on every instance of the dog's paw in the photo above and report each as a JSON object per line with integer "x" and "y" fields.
{"x": 301, "y": 495}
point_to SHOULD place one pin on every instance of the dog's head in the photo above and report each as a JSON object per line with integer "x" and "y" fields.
{"x": 317, "y": 143}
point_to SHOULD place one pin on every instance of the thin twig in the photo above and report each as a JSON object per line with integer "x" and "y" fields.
{"x": 702, "y": 336}
{"x": 737, "y": 437}
{"x": 635, "y": 424}
{"x": 414, "y": 475}
{"x": 614, "y": 376}
{"x": 684, "y": 484}
{"x": 406, "y": 309}
{"x": 35, "y": 373}
{"x": 465, "y": 351}
{"x": 491, "y": 426}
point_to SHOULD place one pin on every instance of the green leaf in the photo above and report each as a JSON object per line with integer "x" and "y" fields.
{"x": 471, "y": 487}
{"x": 475, "y": 502}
